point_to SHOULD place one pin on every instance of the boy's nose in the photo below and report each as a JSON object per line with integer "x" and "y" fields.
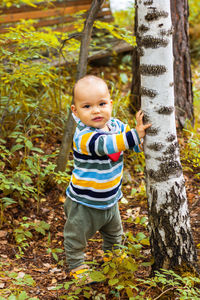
{"x": 96, "y": 109}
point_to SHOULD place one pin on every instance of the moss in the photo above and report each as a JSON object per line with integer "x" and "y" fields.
{"x": 156, "y": 15}
{"x": 150, "y": 41}
{"x": 166, "y": 110}
{"x": 154, "y": 70}
{"x": 148, "y": 92}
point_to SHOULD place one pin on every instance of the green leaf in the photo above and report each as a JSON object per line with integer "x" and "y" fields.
{"x": 123, "y": 78}
{"x": 55, "y": 256}
{"x": 140, "y": 236}
{"x": 12, "y": 297}
{"x": 16, "y": 148}
{"x": 147, "y": 264}
{"x": 28, "y": 234}
{"x": 29, "y": 144}
{"x": 86, "y": 294}
{"x": 113, "y": 281}
{"x": 145, "y": 242}
{"x": 97, "y": 276}
{"x": 37, "y": 149}
{"x": 7, "y": 201}
{"x": 106, "y": 269}
{"x": 23, "y": 295}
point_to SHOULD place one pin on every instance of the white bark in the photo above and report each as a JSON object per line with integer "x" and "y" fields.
{"x": 170, "y": 232}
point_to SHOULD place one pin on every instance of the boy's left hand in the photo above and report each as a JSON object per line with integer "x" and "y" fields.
{"x": 140, "y": 127}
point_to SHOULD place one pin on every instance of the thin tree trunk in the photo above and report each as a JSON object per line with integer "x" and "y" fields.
{"x": 81, "y": 71}
{"x": 169, "y": 223}
{"x": 182, "y": 63}
{"x": 135, "y": 87}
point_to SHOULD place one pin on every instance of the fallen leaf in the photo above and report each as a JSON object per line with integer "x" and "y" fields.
{"x": 21, "y": 275}
{"x": 47, "y": 265}
{"x": 54, "y": 280}
{"x": 3, "y": 234}
{"x": 62, "y": 199}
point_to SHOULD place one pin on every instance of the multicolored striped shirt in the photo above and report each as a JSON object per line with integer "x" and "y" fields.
{"x": 96, "y": 179}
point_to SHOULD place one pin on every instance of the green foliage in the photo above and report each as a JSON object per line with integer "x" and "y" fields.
{"x": 173, "y": 285}
{"x": 54, "y": 251}
{"x": 125, "y": 18}
{"x": 119, "y": 33}
{"x": 8, "y": 3}
{"x": 23, "y": 234}
{"x": 194, "y": 7}
{"x": 190, "y": 143}
{"x": 119, "y": 270}
{"x": 16, "y": 281}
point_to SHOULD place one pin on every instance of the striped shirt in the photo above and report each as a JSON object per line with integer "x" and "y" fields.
{"x": 96, "y": 179}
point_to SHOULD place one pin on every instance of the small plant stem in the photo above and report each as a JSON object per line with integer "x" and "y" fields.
{"x": 172, "y": 288}
{"x": 38, "y": 187}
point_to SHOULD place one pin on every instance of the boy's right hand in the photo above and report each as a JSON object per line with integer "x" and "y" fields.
{"x": 140, "y": 127}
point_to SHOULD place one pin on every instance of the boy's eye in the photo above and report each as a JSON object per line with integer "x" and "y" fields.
{"x": 86, "y": 106}
{"x": 102, "y": 103}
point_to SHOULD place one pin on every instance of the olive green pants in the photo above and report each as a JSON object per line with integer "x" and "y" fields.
{"x": 82, "y": 223}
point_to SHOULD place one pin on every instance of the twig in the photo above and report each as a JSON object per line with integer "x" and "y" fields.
{"x": 172, "y": 288}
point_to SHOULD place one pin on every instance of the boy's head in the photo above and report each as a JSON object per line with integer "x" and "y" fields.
{"x": 92, "y": 103}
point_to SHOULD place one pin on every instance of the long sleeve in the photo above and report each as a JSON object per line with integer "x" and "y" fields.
{"x": 97, "y": 143}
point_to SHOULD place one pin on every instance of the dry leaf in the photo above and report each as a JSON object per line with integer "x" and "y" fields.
{"x": 3, "y": 234}
{"x": 62, "y": 199}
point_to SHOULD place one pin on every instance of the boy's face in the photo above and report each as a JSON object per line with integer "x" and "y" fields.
{"x": 93, "y": 105}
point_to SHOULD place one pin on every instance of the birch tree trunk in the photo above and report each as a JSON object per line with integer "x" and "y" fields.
{"x": 169, "y": 223}
{"x": 182, "y": 64}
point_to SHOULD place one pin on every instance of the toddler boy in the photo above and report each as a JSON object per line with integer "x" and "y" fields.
{"x": 95, "y": 186}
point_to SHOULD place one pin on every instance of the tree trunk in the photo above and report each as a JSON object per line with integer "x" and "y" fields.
{"x": 169, "y": 223}
{"x": 81, "y": 71}
{"x": 135, "y": 87}
{"x": 182, "y": 69}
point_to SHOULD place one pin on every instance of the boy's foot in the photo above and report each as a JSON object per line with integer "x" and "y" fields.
{"x": 81, "y": 274}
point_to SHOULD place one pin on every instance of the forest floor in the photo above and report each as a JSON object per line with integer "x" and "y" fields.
{"x": 40, "y": 264}
{"x": 49, "y": 270}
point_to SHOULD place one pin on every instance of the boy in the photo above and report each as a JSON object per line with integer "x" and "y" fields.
{"x": 95, "y": 186}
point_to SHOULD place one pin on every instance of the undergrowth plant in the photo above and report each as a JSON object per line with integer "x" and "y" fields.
{"x": 119, "y": 275}
{"x": 23, "y": 233}
{"x": 16, "y": 283}
{"x": 190, "y": 150}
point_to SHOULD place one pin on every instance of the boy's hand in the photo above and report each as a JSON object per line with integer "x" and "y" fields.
{"x": 140, "y": 127}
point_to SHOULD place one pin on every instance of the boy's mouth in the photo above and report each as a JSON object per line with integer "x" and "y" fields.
{"x": 97, "y": 119}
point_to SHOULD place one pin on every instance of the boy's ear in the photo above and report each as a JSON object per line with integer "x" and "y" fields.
{"x": 73, "y": 108}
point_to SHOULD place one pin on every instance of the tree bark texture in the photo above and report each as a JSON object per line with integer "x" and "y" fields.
{"x": 135, "y": 86}
{"x": 81, "y": 71}
{"x": 169, "y": 223}
{"x": 182, "y": 63}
